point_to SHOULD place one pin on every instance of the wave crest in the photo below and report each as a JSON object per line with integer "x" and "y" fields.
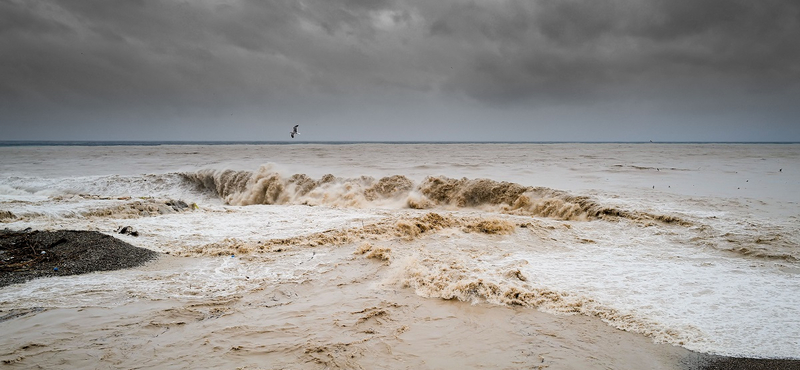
{"x": 514, "y": 198}
{"x": 268, "y": 186}
{"x": 435, "y": 277}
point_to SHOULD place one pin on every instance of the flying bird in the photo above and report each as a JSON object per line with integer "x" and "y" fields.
{"x": 294, "y": 131}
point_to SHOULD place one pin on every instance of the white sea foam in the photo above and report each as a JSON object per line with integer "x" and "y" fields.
{"x": 694, "y": 245}
{"x": 176, "y": 278}
{"x": 663, "y": 284}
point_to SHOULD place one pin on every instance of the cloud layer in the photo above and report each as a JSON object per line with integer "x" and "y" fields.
{"x": 358, "y": 69}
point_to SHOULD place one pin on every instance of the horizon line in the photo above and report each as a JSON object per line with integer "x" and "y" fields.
{"x": 266, "y": 142}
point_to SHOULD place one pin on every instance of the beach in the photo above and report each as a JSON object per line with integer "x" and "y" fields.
{"x": 558, "y": 256}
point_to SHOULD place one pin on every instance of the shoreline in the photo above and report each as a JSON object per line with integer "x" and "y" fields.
{"x": 82, "y": 252}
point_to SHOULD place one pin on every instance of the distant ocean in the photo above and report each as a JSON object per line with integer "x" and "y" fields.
{"x": 159, "y": 143}
{"x": 691, "y": 244}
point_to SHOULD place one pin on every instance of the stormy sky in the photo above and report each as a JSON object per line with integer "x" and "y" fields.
{"x": 398, "y": 70}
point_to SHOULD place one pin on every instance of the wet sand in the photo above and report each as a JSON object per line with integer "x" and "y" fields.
{"x": 338, "y": 316}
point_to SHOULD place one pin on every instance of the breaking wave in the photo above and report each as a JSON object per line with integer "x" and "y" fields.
{"x": 405, "y": 229}
{"x": 437, "y": 277}
{"x": 267, "y": 186}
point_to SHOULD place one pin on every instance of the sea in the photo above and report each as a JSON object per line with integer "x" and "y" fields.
{"x": 409, "y": 255}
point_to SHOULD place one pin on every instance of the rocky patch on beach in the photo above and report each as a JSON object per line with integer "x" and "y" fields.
{"x": 26, "y": 255}
{"x": 700, "y": 361}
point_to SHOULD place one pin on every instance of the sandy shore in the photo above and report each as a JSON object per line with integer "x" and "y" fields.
{"x": 333, "y": 318}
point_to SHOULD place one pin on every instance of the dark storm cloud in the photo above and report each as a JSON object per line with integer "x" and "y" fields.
{"x": 557, "y": 49}
{"x": 186, "y": 61}
{"x": 150, "y": 50}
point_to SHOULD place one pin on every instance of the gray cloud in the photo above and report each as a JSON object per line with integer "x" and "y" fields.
{"x": 176, "y": 66}
{"x": 558, "y": 49}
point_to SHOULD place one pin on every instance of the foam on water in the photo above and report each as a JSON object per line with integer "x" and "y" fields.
{"x": 656, "y": 285}
{"x": 169, "y": 278}
{"x": 690, "y": 245}
{"x": 648, "y": 281}
{"x": 137, "y": 186}
{"x": 177, "y": 232}
{"x": 267, "y": 186}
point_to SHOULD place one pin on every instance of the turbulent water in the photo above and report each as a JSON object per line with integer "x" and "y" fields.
{"x": 695, "y": 245}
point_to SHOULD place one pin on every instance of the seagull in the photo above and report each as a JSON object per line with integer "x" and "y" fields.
{"x": 294, "y": 131}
